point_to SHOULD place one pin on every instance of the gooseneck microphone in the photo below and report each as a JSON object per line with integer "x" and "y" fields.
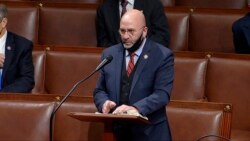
{"x": 104, "y": 62}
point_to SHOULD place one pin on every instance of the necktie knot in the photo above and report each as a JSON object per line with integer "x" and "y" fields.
{"x": 124, "y": 4}
{"x": 132, "y": 55}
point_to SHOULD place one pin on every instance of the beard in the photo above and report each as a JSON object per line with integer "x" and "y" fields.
{"x": 136, "y": 45}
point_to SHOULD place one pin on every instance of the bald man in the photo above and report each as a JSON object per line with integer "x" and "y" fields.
{"x": 142, "y": 88}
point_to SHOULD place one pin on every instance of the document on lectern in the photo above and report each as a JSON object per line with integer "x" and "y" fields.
{"x": 130, "y": 113}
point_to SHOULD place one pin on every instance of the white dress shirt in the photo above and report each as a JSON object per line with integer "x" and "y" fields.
{"x": 2, "y": 47}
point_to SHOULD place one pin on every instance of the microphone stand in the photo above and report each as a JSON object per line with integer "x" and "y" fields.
{"x": 107, "y": 60}
{"x": 63, "y": 100}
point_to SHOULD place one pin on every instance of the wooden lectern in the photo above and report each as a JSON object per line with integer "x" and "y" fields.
{"x": 107, "y": 120}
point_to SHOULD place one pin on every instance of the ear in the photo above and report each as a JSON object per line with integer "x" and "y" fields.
{"x": 145, "y": 31}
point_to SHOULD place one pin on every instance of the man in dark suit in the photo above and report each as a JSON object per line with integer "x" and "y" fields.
{"x": 108, "y": 19}
{"x": 17, "y": 70}
{"x": 142, "y": 86}
{"x": 241, "y": 34}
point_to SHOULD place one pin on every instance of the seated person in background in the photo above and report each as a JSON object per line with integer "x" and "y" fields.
{"x": 241, "y": 34}
{"x": 16, "y": 65}
{"x": 108, "y": 19}
{"x": 139, "y": 79}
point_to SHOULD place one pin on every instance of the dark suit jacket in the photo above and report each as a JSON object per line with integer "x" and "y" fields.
{"x": 241, "y": 35}
{"x": 18, "y": 69}
{"x": 108, "y": 22}
{"x": 151, "y": 86}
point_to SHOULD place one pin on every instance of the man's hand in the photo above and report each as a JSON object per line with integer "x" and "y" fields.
{"x": 124, "y": 109}
{"x": 2, "y": 58}
{"x": 107, "y": 106}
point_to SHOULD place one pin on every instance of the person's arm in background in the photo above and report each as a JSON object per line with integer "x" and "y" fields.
{"x": 241, "y": 35}
{"x": 101, "y": 30}
{"x": 158, "y": 29}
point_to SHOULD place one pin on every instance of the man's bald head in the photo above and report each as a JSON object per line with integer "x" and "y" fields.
{"x": 133, "y": 28}
{"x": 134, "y": 16}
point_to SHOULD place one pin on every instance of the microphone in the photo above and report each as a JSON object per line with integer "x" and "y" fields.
{"x": 104, "y": 62}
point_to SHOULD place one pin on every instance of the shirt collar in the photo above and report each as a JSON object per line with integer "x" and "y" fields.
{"x": 131, "y": 2}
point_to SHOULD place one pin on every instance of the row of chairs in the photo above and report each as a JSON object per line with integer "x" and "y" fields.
{"x": 196, "y": 29}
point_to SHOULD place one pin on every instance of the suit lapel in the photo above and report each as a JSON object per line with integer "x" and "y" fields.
{"x": 8, "y": 52}
{"x": 118, "y": 66}
{"x": 145, "y": 55}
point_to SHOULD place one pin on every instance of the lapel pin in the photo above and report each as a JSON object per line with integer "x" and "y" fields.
{"x": 145, "y": 56}
{"x": 8, "y": 48}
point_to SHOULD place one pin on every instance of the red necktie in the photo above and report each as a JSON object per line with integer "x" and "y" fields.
{"x": 124, "y": 4}
{"x": 131, "y": 64}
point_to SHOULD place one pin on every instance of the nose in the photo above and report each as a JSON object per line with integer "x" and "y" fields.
{"x": 125, "y": 35}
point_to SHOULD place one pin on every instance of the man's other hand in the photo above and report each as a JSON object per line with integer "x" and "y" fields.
{"x": 107, "y": 106}
{"x": 2, "y": 58}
